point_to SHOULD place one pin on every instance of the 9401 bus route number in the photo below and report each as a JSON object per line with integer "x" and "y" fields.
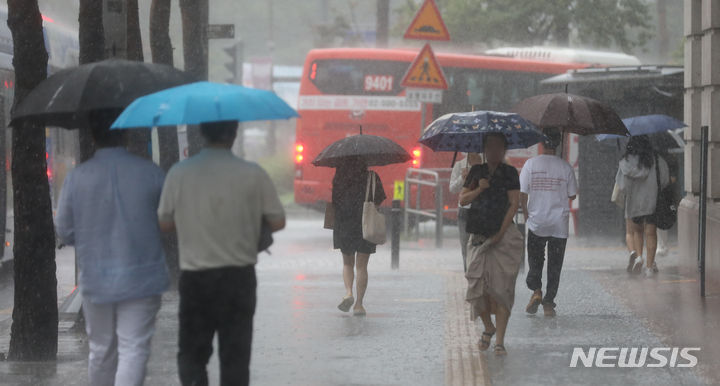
{"x": 382, "y": 83}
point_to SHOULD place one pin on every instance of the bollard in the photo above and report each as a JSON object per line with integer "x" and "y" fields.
{"x": 702, "y": 212}
{"x": 395, "y": 234}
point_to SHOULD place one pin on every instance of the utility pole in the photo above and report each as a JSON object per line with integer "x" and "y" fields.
{"x": 382, "y": 26}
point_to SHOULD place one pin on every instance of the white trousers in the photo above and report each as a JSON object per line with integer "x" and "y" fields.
{"x": 119, "y": 336}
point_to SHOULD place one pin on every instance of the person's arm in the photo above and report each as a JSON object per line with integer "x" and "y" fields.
{"x": 166, "y": 207}
{"x": 467, "y": 195}
{"x": 572, "y": 185}
{"x": 513, "y": 198}
{"x": 272, "y": 209}
{"x": 64, "y": 224}
{"x": 456, "y": 178}
{"x": 524, "y": 205}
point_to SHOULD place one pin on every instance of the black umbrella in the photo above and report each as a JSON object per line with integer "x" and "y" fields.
{"x": 65, "y": 98}
{"x": 370, "y": 149}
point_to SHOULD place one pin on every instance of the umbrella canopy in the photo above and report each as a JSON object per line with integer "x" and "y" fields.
{"x": 464, "y": 131}
{"x": 65, "y": 98}
{"x": 201, "y": 102}
{"x": 571, "y": 113}
{"x": 647, "y": 124}
{"x": 370, "y": 149}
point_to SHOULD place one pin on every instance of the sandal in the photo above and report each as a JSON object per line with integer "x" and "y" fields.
{"x": 346, "y": 303}
{"x": 484, "y": 342}
{"x": 500, "y": 350}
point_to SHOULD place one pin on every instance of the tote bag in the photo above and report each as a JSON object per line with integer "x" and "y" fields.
{"x": 373, "y": 222}
{"x": 329, "y": 216}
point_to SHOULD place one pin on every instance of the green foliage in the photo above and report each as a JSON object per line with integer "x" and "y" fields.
{"x": 600, "y": 23}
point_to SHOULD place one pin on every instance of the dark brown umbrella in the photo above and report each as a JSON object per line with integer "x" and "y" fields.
{"x": 571, "y": 113}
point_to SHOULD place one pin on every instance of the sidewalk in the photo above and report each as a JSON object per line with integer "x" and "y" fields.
{"x": 417, "y": 330}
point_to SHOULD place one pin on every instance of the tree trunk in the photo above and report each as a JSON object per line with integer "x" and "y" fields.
{"x": 34, "y": 332}
{"x": 160, "y": 44}
{"x": 134, "y": 38}
{"x": 662, "y": 30}
{"x": 193, "y": 23}
{"x": 92, "y": 49}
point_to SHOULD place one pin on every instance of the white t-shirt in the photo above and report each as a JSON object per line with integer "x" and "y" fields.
{"x": 549, "y": 182}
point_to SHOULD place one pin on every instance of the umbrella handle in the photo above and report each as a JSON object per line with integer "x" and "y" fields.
{"x": 453, "y": 161}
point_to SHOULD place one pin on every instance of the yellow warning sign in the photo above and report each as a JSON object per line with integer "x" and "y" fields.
{"x": 425, "y": 72}
{"x": 428, "y": 24}
{"x": 399, "y": 191}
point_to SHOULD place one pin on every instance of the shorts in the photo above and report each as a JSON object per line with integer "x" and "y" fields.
{"x": 649, "y": 219}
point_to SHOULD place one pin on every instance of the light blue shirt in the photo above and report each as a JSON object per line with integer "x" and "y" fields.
{"x": 108, "y": 211}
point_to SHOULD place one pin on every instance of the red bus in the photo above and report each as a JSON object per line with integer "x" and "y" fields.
{"x": 345, "y": 88}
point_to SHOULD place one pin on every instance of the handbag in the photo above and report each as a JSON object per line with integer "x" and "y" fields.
{"x": 373, "y": 222}
{"x": 666, "y": 206}
{"x": 329, "y": 216}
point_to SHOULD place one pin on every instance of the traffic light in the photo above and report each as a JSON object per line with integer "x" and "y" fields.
{"x": 235, "y": 65}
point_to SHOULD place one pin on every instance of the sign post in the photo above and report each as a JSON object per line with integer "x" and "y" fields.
{"x": 425, "y": 81}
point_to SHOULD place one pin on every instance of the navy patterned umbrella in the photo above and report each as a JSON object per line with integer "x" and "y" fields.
{"x": 465, "y": 131}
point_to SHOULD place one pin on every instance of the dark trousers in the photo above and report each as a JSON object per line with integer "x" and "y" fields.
{"x": 218, "y": 300}
{"x": 536, "y": 260}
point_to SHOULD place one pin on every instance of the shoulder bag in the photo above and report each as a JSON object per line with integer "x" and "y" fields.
{"x": 373, "y": 222}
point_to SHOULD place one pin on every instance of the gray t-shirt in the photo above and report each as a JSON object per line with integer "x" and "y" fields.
{"x": 217, "y": 202}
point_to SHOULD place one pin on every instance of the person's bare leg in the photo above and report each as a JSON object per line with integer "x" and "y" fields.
{"x": 629, "y": 236}
{"x": 362, "y": 280}
{"x": 502, "y": 316}
{"x": 651, "y": 243}
{"x": 638, "y": 237}
{"x": 348, "y": 273}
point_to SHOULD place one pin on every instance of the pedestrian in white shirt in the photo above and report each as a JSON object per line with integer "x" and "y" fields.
{"x": 547, "y": 185}
{"x": 457, "y": 180}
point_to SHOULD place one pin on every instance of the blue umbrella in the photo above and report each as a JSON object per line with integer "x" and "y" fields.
{"x": 201, "y": 102}
{"x": 465, "y": 131}
{"x": 646, "y": 124}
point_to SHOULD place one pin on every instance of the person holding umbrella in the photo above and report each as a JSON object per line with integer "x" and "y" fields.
{"x": 495, "y": 247}
{"x": 547, "y": 184}
{"x": 352, "y": 186}
{"x": 640, "y": 172}
{"x": 222, "y": 208}
{"x": 107, "y": 211}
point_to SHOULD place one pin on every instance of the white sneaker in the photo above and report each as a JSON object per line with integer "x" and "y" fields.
{"x": 649, "y": 272}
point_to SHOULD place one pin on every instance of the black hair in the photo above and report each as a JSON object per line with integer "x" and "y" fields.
{"x": 100, "y": 122}
{"x": 219, "y": 132}
{"x": 552, "y": 139}
{"x": 641, "y": 147}
{"x": 496, "y": 135}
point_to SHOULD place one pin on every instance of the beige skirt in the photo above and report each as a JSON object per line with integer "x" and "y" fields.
{"x": 492, "y": 270}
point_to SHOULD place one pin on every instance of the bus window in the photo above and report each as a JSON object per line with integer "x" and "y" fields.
{"x": 357, "y": 77}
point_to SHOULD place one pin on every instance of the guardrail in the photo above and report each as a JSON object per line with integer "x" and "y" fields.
{"x": 430, "y": 178}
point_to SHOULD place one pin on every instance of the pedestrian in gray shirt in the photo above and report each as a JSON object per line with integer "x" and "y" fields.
{"x": 217, "y": 203}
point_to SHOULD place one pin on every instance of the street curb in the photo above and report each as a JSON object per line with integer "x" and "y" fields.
{"x": 465, "y": 365}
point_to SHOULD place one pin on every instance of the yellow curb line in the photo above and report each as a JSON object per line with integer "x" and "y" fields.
{"x": 464, "y": 363}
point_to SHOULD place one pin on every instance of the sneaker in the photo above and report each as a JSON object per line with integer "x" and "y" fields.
{"x": 535, "y": 301}
{"x": 549, "y": 310}
{"x": 649, "y": 273}
{"x": 637, "y": 269}
{"x": 631, "y": 261}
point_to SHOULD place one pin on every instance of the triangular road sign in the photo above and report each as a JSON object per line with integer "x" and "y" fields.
{"x": 428, "y": 24}
{"x": 425, "y": 72}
